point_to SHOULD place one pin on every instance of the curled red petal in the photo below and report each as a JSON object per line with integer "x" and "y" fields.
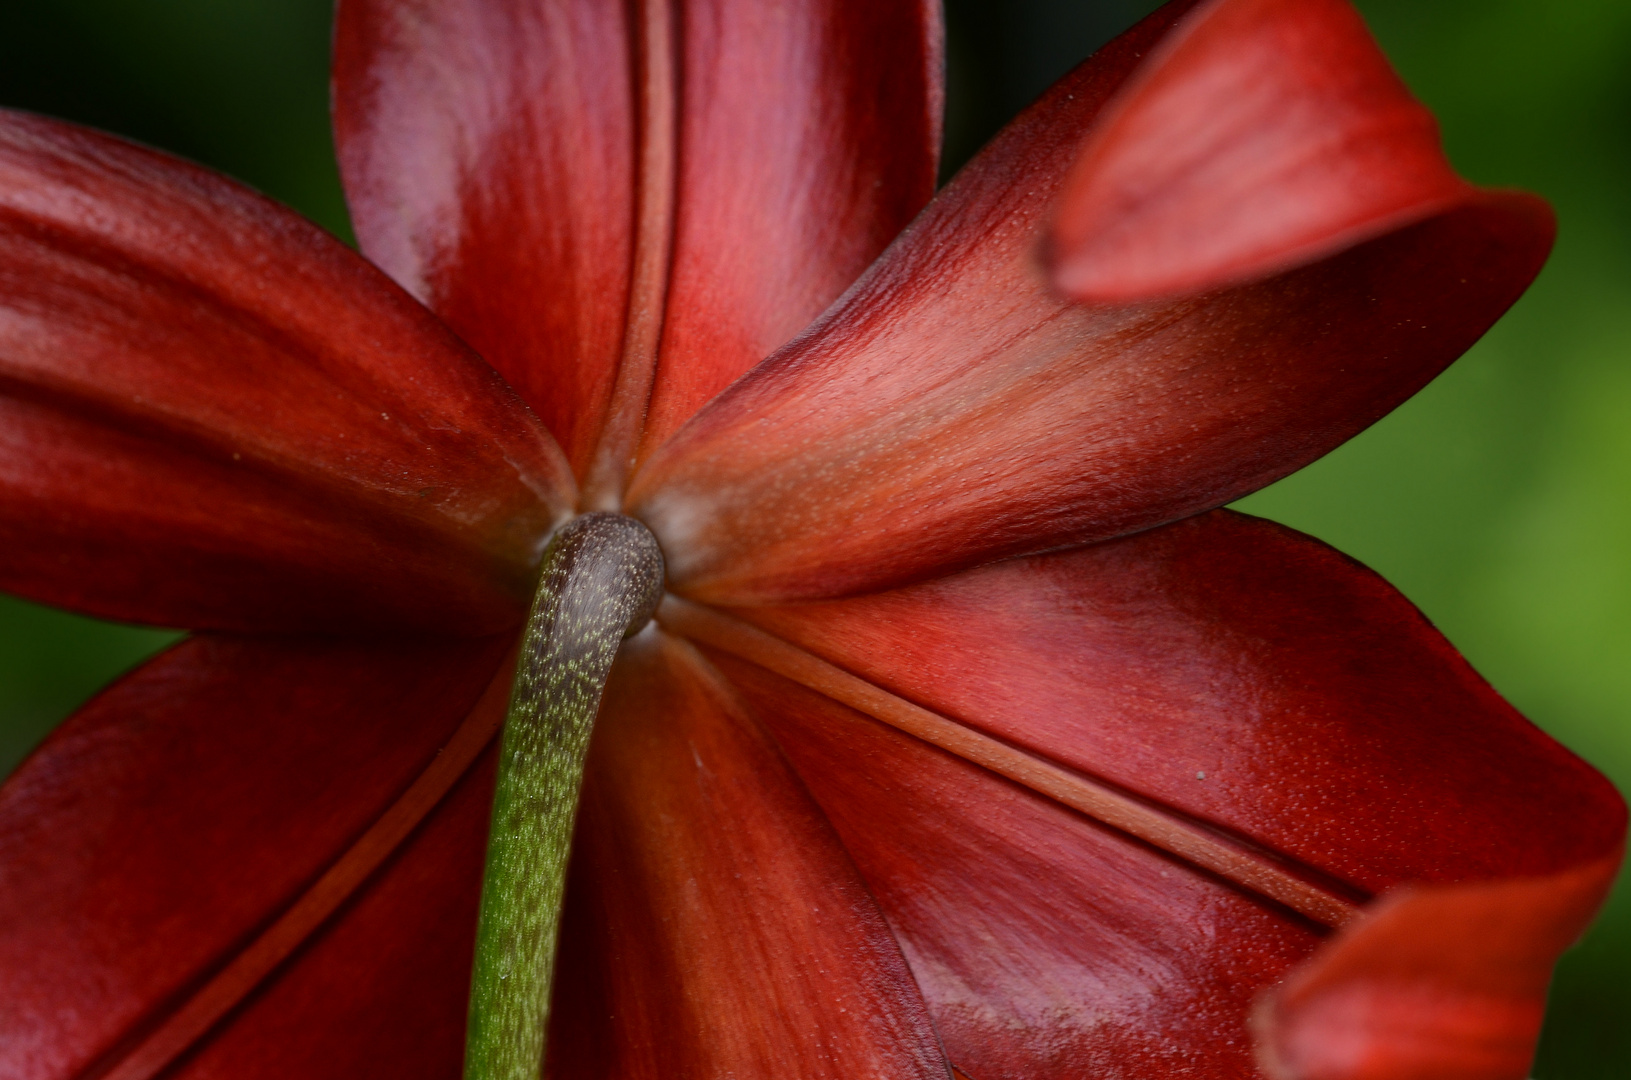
{"x": 215, "y": 415}
{"x": 1263, "y": 134}
{"x": 1442, "y": 982}
{"x": 809, "y": 136}
{"x": 487, "y": 150}
{"x": 161, "y": 829}
{"x": 952, "y": 409}
{"x": 714, "y": 926}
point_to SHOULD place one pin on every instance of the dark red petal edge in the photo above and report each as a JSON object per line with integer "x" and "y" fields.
{"x": 213, "y": 414}
{"x": 162, "y": 831}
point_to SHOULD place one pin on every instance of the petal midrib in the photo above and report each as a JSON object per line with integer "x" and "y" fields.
{"x": 1204, "y": 845}
{"x": 144, "y": 1054}
{"x": 657, "y": 93}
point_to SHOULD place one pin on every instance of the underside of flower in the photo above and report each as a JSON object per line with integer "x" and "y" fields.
{"x": 601, "y": 580}
{"x": 969, "y": 738}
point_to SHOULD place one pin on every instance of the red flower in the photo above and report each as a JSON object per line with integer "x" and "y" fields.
{"x": 973, "y": 736}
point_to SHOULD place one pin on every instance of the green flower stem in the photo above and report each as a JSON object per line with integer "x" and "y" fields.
{"x": 602, "y": 578}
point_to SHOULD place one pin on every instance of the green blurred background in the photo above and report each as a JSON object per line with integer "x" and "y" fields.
{"x": 1499, "y": 499}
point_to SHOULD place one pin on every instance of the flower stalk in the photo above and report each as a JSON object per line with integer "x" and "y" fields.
{"x": 601, "y": 580}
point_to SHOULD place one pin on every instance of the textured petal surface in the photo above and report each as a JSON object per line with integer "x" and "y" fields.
{"x": 487, "y": 149}
{"x": 952, "y": 409}
{"x": 1246, "y": 677}
{"x": 1445, "y": 983}
{"x": 1243, "y": 674}
{"x": 213, "y": 414}
{"x": 492, "y": 151}
{"x": 809, "y": 137}
{"x": 1263, "y": 134}
{"x": 714, "y": 926}
{"x": 1047, "y": 946}
{"x": 161, "y": 827}
{"x": 383, "y": 989}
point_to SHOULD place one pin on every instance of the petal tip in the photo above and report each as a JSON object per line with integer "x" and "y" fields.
{"x": 1261, "y": 136}
{"x": 1435, "y": 982}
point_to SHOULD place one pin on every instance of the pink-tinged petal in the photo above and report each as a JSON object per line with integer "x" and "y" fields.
{"x": 1247, "y": 679}
{"x": 487, "y": 149}
{"x": 714, "y": 926}
{"x": 1262, "y": 135}
{"x": 1436, "y": 983}
{"x": 149, "y": 841}
{"x": 952, "y": 409}
{"x": 213, "y": 414}
{"x": 1047, "y": 946}
{"x": 809, "y": 136}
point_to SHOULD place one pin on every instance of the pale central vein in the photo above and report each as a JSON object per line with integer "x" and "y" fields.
{"x": 1158, "y": 826}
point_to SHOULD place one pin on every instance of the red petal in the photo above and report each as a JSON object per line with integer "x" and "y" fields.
{"x": 809, "y": 137}
{"x": 1242, "y": 676}
{"x": 1047, "y": 947}
{"x": 383, "y": 990}
{"x": 158, "y": 830}
{"x": 1468, "y": 961}
{"x": 714, "y": 926}
{"x": 212, "y": 414}
{"x": 487, "y": 152}
{"x": 490, "y": 154}
{"x": 952, "y": 410}
{"x": 1246, "y": 675}
{"x": 1264, "y": 134}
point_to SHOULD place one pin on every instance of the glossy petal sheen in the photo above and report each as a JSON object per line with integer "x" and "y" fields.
{"x": 167, "y": 822}
{"x": 952, "y": 409}
{"x": 714, "y": 925}
{"x": 1047, "y": 947}
{"x": 235, "y": 420}
{"x": 487, "y": 151}
{"x": 809, "y": 137}
{"x": 1437, "y": 983}
{"x": 1263, "y": 134}
{"x": 491, "y": 153}
{"x": 1244, "y": 674}
{"x": 1253, "y": 679}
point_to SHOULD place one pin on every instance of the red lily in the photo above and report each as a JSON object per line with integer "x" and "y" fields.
{"x": 973, "y": 736}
